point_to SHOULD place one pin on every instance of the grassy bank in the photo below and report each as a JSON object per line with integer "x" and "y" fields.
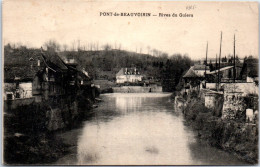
{"x": 237, "y": 138}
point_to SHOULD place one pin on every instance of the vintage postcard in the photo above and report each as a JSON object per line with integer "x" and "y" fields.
{"x": 130, "y": 82}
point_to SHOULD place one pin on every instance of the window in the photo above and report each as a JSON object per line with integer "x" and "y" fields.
{"x": 9, "y": 96}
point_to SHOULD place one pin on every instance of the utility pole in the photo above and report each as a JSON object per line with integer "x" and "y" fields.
{"x": 206, "y": 64}
{"x": 216, "y": 63}
{"x": 216, "y": 66}
{"x": 219, "y": 59}
{"x": 234, "y": 70}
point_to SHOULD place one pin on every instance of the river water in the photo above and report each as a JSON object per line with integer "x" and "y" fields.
{"x": 139, "y": 129}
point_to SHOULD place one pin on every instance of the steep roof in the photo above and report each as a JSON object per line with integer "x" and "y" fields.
{"x": 200, "y": 67}
{"x": 191, "y": 73}
{"x": 54, "y": 62}
{"x": 128, "y": 71}
{"x": 21, "y": 73}
{"x": 82, "y": 76}
{"x": 120, "y": 72}
{"x": 222, "y": 69}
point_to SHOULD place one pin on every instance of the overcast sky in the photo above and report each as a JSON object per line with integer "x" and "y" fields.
{"x": 33, "y": 22}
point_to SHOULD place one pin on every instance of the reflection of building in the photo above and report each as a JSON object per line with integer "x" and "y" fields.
{"x": 128, "y": 75}
{"x": 128, "y": 103}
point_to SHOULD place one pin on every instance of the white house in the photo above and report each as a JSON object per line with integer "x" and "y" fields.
{"x": 128, "y": 75}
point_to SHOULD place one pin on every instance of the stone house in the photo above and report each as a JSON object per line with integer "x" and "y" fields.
{"x": 131, "y": 75}
{"x": 46, "y": 77}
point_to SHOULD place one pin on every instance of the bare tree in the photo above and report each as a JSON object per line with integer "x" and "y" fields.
{"x": 73, "y": 46}
{"x": 78, "y": 44}
{"x": 65, "y": 47}
{"x": 148, "y": 49}
{"x": 115, "y": 45}
{"x": 119, "y": 47}
{"x": 86, "y": 45}
{"x": 107, "y": 47}
{"x": 97, "y": 46}
{"x": 52, "y": 45}
{"x": 91, "y": 46}
{"x": 13, "y": 45}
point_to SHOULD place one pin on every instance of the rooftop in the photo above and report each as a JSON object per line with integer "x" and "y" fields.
{"x": 200, "y": 67}
{"x": 21, "y": 73}
{"x": 191, "y": 73}
{"x": 53, "y": 61}
{"x": 128, "y": 71}
{"x": 222, "y": 69}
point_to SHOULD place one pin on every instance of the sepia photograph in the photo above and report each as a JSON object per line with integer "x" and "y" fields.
{"x": 130, "y": 82}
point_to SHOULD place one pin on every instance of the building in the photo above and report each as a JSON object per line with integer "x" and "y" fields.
{"x": 42, "y": 77}
{"x": 194, "y": 76}
{"x": 200, "y": 70}
{"x": 18, "y": 82}
{"x": 226, "y": 74}
{"x": 130, "y": 75}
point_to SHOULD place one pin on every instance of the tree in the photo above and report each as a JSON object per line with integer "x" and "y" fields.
{"x": 52, "y": 45}
{"x": 65, "y": 47}
{"x": 107, "y": 47}
{"x": 119, "y": 47}
{"x": 173, "y": 71}
{"x": 148, "y": 49}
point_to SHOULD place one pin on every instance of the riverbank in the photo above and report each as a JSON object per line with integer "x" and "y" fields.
{"x": 143, "y": 119}
{"x": 30, "y": 131}
{"x": 238, "y": 138}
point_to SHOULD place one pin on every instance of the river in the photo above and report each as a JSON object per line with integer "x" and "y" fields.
{"x": 139, "y": 129}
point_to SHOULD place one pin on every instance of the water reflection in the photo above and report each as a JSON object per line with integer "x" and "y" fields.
{"x": 142, "y": 129}
{"x": 138, "y": 138}
{"x": 125, "y": 104}
{"x": 141, "y": 133}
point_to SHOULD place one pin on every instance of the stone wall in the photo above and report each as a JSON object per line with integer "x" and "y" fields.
{"x": 179, "y": 104}
{"x": 234, "y": 107}
{"x": 238, "y": 138}
{"x": 13, "y": 104}
{"x": 136, "y": 89}
{"x": 55, "y": 121}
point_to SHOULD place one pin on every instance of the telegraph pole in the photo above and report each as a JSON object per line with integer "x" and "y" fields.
{"x": 206, "y": 63}
{"x": 219, "y": 59}
{"x": 234, "y": 71}
{"x": 216, "y": 66}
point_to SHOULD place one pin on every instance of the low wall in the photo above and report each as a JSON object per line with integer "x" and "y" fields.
{"x": 136, "y": 89}
{"x": 179, "y": 104}
{"x": 13, "y": 104}
{"x": 156, "y": 88}
{"x": 235, "y": 103}
{"x": 237, "y": 138}
{"x": 55, "y": 121}
{"x": 214, "y": 101}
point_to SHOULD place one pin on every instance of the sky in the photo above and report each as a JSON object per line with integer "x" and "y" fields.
{"x": 32, "y": 23}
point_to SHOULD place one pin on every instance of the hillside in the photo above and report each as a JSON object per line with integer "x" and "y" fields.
{"x": 104, "y": 64}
